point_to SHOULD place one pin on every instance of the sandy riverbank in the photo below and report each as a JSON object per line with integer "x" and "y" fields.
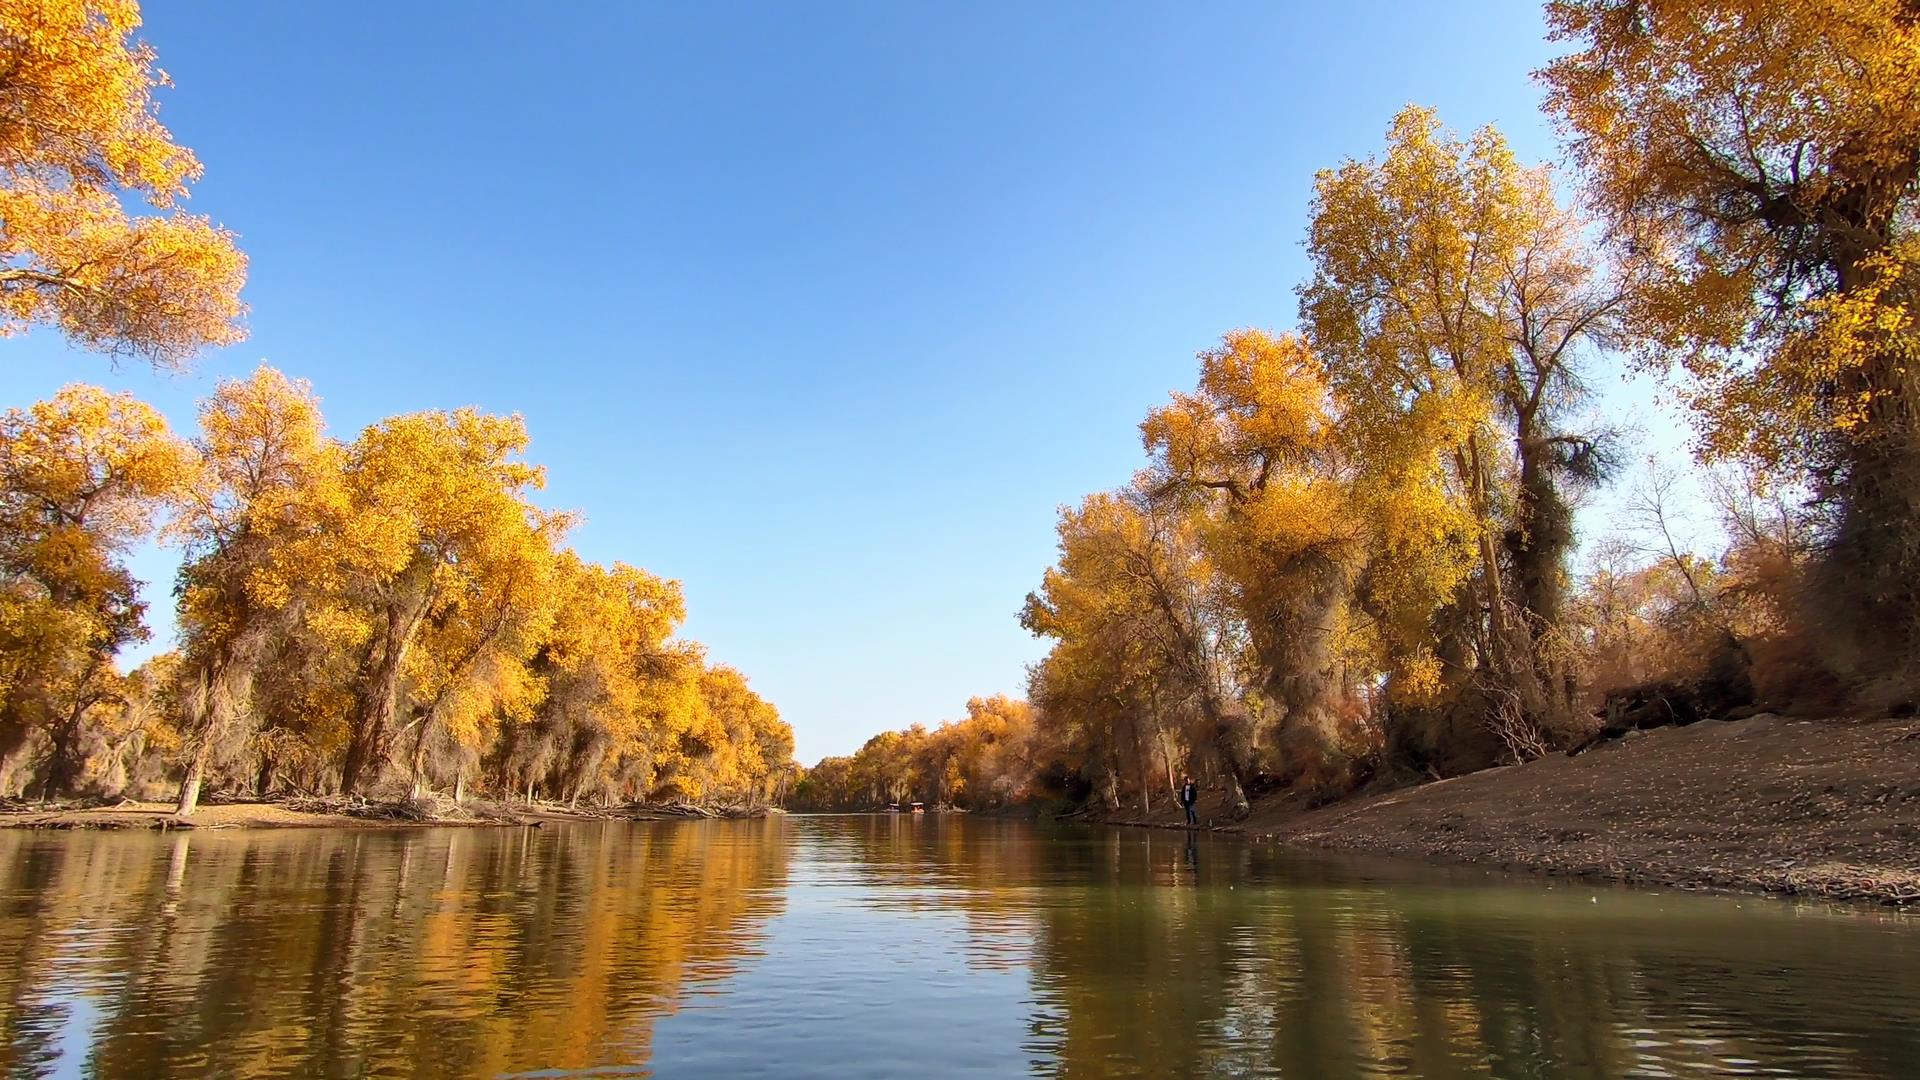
{"x": 316, "y": 814}
{"x": 1827, "y": 808}
{"x": 155, "y": 815}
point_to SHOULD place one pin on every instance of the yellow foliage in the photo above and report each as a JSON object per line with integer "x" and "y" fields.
{"x": 1756, "y": 158}
{"x": 81, "y": 478}
{"x": 80, "y": 128}
{"x": 345, "y": 609}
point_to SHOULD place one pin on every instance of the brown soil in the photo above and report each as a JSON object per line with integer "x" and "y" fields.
{"x": 154, "y": 815}
{"x": 1827, "y": 808}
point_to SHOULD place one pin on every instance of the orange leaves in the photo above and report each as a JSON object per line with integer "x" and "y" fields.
{"x": 1821, "y": 378}
{"x": 984, "y": 760}
{"x": 1757, "y": 160}
{"x": 80, "y": 128}
{"x": 336, "y": 596}
{"x": 81, "y": 478}
{"x": 259, "y": 504}
{"x": 95, "y": 460}
{"x": 1758, "y": 163}
{"x": 1411, "y": 254}
{"x": 1260, "y": 397}
{"x": 80, "y": 98}
{"x": 656, "y": 712}
{"x": 443, "y": 491}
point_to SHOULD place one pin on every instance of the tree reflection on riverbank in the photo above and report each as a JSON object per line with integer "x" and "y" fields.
{"x": 1159, "y": 953}
{"x": 445, "y": 953}
{"x": 886, "y": 946}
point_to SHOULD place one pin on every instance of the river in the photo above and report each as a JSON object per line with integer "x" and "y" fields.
{"x": 849, "y": 947}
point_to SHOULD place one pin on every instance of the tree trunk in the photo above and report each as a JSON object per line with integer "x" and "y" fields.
{"x": 198, "y": 706}
{"x": 417, "y": 785}
{"x": 1541, "y": 540}
{"x": 380, "y": 684}
{"x": 64, "y": 767}
{"x": 1145, "y": 761}
{"x": 1236, "y": 794}
{"x": 1867, "y": 584}
{"x": 1508, "y": 653}
{"x": 190, "y": 784}
{"x": 222, "y": 687}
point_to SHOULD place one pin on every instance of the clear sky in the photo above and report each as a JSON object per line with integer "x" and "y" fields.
{"x": 821, "y": 308}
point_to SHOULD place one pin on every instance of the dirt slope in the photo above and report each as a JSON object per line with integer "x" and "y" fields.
{"x": 1825, "y": 808}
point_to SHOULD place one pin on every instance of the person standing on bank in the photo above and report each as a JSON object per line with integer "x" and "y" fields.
{"x": 1189, "y": 795}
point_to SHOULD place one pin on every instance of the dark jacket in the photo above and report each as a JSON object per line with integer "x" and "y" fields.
{"x": 1189, "y": 794}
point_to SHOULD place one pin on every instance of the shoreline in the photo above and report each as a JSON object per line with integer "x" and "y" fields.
{"x": 1818, "y": 808}
{"x": 290, "y": 814}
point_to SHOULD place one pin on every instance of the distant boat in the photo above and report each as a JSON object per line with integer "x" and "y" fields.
{"x": 919, "y": 808}
{"x": 893, "y": 808}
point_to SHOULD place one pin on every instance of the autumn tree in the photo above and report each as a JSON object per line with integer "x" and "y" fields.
{"x": 140, "y": 731}
{"x": 988, "y": 753}
{"x": 1758, "y": 164}
{"x": 829, "y": 785}
{"x": 884, "y": 766}
{"x": 985, "y": 759}
{"x": 82, "y": 476}
{"x": 773, "y": 743}
{"x": 342, "y": 608}
{"x": 257, "y": 504}
{"x": 610, "y": 673}
{"x": 78, "y": 129}
{"x": 468, "y": 670}
{"x": 300, "y": 709}
{"x": 1255, "y": 447}
{"x": 752, "y": 742}
{"x": 1670, "y": 597}
{"x": 434, "y": 518}
{"x": 1142, "y": 630}
{"x": 1451, "y": 302}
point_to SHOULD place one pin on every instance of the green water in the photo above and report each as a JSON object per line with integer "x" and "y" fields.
{"x": 849, "y": 947}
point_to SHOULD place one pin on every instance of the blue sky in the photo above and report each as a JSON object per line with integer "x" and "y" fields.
{"x": 822, "y": 309}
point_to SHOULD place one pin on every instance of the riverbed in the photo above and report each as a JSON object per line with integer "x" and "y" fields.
{"x": 889, "y": 946}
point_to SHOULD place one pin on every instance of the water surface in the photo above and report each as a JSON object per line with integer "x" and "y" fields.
{"x": 850, "y": 947}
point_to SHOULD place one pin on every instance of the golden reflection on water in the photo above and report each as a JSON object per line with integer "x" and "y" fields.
{"x": 875, "y": 946}
{"x": 448, "y": 953}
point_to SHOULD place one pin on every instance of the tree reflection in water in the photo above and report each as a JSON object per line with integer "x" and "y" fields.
{"x": 887, "y": 946}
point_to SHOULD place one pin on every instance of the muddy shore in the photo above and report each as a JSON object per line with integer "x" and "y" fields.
{"x": 1822, "y": 808}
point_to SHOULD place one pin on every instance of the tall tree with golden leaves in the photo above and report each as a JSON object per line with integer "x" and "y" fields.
{"x": 1142, "y": 628}
{"x": 468, "y": 668}
{"x": 1450, "y": 302}
{"x": 81, "y": 478}
{"x": 267, "y": 470}
{"x": 1758, "y": 162}
{"x": 435, "y": 510}
{"x": 78, "y": 128}
{"x": 1256, "y": 447}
